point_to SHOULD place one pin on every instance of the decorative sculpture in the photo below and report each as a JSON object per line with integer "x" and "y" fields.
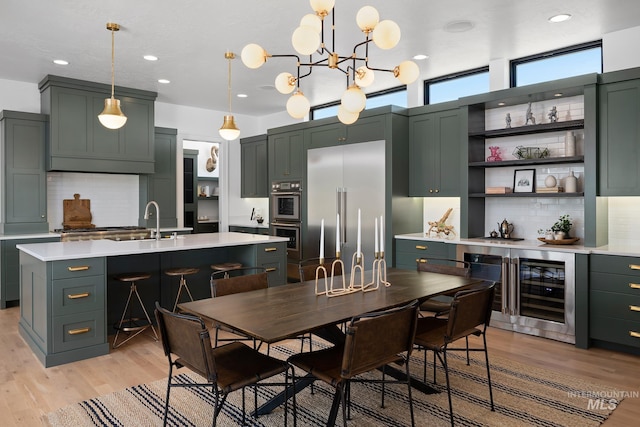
{"x": 530, "y": 116}
{"x": 508, "y": 120}
{"x": 553, "y": 115}
{"x": 212, "y": 162}
{"x": 440, "y": 227}
{"x": 495, "y": 154}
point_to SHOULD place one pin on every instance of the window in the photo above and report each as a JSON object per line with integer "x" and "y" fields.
{"x": 558, "y": 64}
{"x": 454, "y": 86}
{"x": 396, "y": 96}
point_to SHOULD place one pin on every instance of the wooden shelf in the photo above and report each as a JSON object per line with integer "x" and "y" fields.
{"x": 530, "y": 129}
{"x": 580, "y": 194}
{"x": 208, "y": 198}
{"x": 524, "y": 162}
{"x": 207, "y": 178}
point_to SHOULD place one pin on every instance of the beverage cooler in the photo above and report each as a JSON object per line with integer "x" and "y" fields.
{"x": 535, "y": 294}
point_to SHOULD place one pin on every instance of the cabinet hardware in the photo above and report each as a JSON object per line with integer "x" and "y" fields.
{"x": 634, "y": 334}
{"x": 430, "y": 190}
{"x": 437, "y": 190}
{"x": 634, "y": 266}
{"x": 270, "y": 249}
{"x": 78, "y": 268}
{"x": 270, "y": 269}
{"x": 76, "y": 296}
{"x": 78, "y": 331}
{"x": 421, "y": 260}
{"x": 422, "y": 248}
{"x": 634, "y": 285}
{"x": 634, "y": 307}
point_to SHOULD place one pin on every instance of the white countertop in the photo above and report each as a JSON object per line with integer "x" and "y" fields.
{"x": 29, "y": 236}
{"x": 249, "y": 223}
{"x": 617, "y": 249}
{"x": 57, "y": 251}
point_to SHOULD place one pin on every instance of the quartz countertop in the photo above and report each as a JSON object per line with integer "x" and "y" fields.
{"x": 57, "y": 251}
{"x": 617, "y": 249}
{"x": 29, "y": 236}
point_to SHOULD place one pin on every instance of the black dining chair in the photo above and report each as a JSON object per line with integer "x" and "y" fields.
{"x": 186, "y": 343}
{"x": 470, "y": 314}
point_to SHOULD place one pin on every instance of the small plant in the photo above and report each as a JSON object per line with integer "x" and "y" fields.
{"x": 543, "y": 232}
{"x": 562, "y": 224}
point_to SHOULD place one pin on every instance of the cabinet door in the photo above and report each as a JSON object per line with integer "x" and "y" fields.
{"x": 286, "y": 161}
{"x": 619, "y": 148}
{"x": 190, "y": 169}
{"x": 254, "y": 180}
{"x": 325, "y": 136}
{"x": 366, "y": 129}
{"x": 160, "y": 186}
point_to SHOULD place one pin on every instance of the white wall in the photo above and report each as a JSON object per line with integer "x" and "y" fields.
{"x": 618, "y": 50}
{"x": 19, "y": 96}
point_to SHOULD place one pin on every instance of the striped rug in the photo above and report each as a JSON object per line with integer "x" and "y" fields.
{"x": 523, "y": 395}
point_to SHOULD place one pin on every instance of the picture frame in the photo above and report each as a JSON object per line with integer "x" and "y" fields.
{"x": 524, "y": 180}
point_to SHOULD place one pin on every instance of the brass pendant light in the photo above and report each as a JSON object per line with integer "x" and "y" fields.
{"x": 112, "y": 116}
{"x": 229, "y": 130}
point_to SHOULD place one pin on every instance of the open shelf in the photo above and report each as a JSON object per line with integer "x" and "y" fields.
{"x": 524, "y": 162}
{"x": 579, "y": 194}
{"x": 530, "y": 129}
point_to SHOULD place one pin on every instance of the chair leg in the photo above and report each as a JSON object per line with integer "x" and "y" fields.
{"x": 146, "y": 314}
{"x": 434, "y": 367}
{"x": 413, "y": 422}
{"x": 293, "y": 390}
{"x": 127, "y": 308}
{"x": 166, "y": 402}
{"x": 343, "y": 401}
{"x": 183, "y": 285}
{"x": 467, "y": 343}
{"x": 486, "y": 357}
{"x": 384, "y": 368}
{"x": 443, "y": 360}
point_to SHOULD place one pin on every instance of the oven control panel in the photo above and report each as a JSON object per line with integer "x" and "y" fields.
{"x": 286, "y": 186}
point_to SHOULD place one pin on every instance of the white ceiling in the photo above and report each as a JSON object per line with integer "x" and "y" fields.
{"x": 191, "y": 36}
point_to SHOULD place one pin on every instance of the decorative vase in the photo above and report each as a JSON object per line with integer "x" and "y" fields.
{"x": 559, "y": 235}
{"x": 571, "y": 183}
{"x": 550, "y": 236}
{"x": 569, "y": 144}
{"x": 550, "y": 181}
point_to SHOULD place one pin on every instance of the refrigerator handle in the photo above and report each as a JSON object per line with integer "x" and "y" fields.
{"x": 515, "y": 285}
{"x": 505, "y": 285}
{"x": 343, "y": 214}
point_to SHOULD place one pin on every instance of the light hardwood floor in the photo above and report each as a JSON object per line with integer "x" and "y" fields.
{"x": 28, "y": 391}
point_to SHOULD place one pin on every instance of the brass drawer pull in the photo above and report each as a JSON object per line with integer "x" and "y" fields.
{"x": 78, "y": 331}
{"x": 76, "y": 296}
{"x": 269, "y": 270}
{"x": 78, "y": 268}
{"x": 421, "y": 260}
{"x": 634, "y": 334}
{"x": 270, "y": 249}
{"x": 634, "y": 307}
{"x": 634, "y": 266}
{"x": 634, "y": 285}
{"x": 422, "y": 248}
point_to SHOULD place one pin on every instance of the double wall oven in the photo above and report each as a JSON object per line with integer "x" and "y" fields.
{"x": 286, "y": 215}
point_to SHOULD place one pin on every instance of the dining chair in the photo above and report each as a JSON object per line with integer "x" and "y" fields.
{"x": 186, "y": 343}
{"x": 470, "y": 314}
{"x": 440, "y": 305}
{"x": 239, "y": 280}
{"x": 372, "y": 341}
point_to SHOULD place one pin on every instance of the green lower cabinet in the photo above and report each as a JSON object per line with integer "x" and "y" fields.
{"x": 273, "y": 257}
{"x": 408, "y": 252}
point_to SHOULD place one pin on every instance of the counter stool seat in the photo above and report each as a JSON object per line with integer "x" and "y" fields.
{"x": 226, "y": 267}
{"x": 132, "y": 325}
{"x": 181, "y": 271}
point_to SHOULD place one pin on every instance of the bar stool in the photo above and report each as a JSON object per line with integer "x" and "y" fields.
{"x": 226, "y": 267}
{"x": 130, "y": 324}
{"x": 181, "y": 271}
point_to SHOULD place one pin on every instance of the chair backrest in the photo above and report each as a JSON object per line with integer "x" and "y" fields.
{"x": 470, "y": 309}
{"x": 376, "y": 339}
{"x": 307, "y": 268}
{"x": 187, "y": 338}
{"x": 243, "y": 279}
{"x": 444, "y": 266}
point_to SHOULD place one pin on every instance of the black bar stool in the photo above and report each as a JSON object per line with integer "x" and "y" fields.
{"x": 226, "y": 267}
{"x": 181, "y": 271}
{"x": 132, "y": 325}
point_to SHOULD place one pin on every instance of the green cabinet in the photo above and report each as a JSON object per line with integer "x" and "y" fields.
{"x": 273, "y": 257}
{"x": 77, "y": 140}
{"x": 286, "y": 160}
{"x": 160, "y": 186}
{"x": 365, "y": 129}
{"x": 409, "y": 252}
{"x": 435, "y": 153}
{"x": 254, "y": 167}
{"x": 23, "y": 185}
{"x": 619, "y": 137}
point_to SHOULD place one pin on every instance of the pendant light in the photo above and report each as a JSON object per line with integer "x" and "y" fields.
{"x": 229, "y": 130}
{"x": 112, "y": 116}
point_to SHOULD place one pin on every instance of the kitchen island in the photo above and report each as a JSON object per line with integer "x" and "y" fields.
{"x": 69, "y": 299}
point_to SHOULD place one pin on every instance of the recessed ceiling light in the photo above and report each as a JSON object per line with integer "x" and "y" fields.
{"x": 420, "y": 57}
{"x": 164, "y": 81}
{"x": 242, "y": 95}
{"x": 557, "y": 94}
{"x": 560, "y": 18}
{"x": 501, "y": 104}
{"x": 60, "y": 62}
{"x": 150, "y": 58}
{"x": 458, "y": 26}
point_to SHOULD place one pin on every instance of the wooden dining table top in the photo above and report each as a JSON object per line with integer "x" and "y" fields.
{"x": 273, "y": 314}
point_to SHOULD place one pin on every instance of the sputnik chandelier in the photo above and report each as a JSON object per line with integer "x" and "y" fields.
{"x": 309, "y": 39}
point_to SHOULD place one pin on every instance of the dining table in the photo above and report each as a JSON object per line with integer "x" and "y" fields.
{"x": 277, "y": 313}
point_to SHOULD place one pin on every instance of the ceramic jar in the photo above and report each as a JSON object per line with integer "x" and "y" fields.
{"x": 550, "y": 181}
{"x": 569, "y": 144}
{"x": 571, "y": 183}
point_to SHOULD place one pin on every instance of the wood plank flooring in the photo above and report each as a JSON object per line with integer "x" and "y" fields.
{"x": 28, "y": 391}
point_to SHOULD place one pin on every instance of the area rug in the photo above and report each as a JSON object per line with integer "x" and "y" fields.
{"x": 523, "y": 395}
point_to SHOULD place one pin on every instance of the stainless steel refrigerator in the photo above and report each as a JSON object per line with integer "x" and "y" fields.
{"x": 343, "y": 179}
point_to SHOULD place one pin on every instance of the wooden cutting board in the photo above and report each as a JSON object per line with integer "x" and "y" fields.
{"x": 77, "y": 213}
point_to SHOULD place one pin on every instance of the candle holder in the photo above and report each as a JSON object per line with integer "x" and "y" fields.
{"x": 357, "y": 262}
{"x": 379, "y": 275}
{"x": 329, "y": 289}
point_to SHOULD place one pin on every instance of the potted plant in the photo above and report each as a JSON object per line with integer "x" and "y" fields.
{"x": 562, "y": 227}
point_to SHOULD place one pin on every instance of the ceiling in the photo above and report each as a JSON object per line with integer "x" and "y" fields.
{"x": 190, "y": 38}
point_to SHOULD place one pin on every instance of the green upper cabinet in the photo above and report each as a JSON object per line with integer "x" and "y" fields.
{"x": 161, "y": 185}
{"x": 434, "y": 152}
{"x": 77, "y": 140}
{"x": 619, "y": 134}
{"x": 24, "y": 176}
{"x": 286, "y": 161}
{"x": 365, "y": 129}
{"x": 254, "y": 166}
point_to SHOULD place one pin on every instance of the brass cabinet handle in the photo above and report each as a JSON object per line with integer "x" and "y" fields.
{"x": 421, "y": 260}
{"x": 422, "y": 248}
{"x": 634, "y": 307}
{"x": 270, "y": 249}
{"x": 78, "y": 268}
{"x": 76, "y": 296}
{"x": 634, "y": 266}
{"x": 269, "y": 270}
{"x": 634, "y": 285}
{"x": 78, "y": 331}
{"x": 634, "y": 334}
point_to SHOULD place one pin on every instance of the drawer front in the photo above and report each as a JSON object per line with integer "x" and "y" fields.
{"x": 77, "y": 295}
{"x": 271, "y": 252}
{"x": 423, "y": 249}
{"x": 609, "y": 304}
{"x": 616, "y": 264}
{"x": 619, "y": 283}
{"x": 619, "y": 331}
{"x": 75, "y": 331}
{"x": 77, "y": 268}
{"x": 276, "y": 272}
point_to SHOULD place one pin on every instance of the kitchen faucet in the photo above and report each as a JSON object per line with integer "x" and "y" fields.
{"x": 146, "y": 216}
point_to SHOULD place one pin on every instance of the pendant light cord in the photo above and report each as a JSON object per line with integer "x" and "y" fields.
{"x": 113, "y": 78}
{"x": 229, "y": 83}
